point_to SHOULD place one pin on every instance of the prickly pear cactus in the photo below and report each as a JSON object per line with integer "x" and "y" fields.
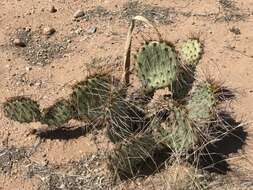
{"x": 191, "y": 51}
{"x": 58, "y": 114}
{"x": 90, "y": 97}
{"x": 22, "y": 109}
{"x": 183, "y": 85}
{"x": 125, "y": 119}
{"x": 157, "y": 65}
{"x": 130, "y": 158}
{"x": 201, "y": 104}
{"x": 177, "y": 131}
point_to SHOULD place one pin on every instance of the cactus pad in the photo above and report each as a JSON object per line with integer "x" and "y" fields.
{"x": 157, "y": 65}
{"x": 184, "y": 84}
{"x": 202, "y": 103}
{"x": 191, "y": 51}
{"x": 58, "y": 114}
{"x": 129, "y": 159}
{"x": 22, "y": 109}
{"x": 177, "y": 132}
{"x": 89, "y": 97}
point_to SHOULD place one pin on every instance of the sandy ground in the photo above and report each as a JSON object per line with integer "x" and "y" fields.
{"x": 224, "y": 27}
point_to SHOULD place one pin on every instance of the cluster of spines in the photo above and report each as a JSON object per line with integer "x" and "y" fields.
{"x": 125, "y": 119}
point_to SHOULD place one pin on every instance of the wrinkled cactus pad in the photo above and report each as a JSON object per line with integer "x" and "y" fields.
{"x": 191, "y": 51}
{"x": 58, "y": 114}
{"x": 22, "y": 109}
{"x": 157, "y": 65}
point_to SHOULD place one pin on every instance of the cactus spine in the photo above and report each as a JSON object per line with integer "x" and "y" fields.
{"x": 125, "y": 119}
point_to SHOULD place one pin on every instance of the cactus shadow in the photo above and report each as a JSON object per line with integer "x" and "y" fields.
{"x": 231, "y": 137}
{"x": 63, "y": 133}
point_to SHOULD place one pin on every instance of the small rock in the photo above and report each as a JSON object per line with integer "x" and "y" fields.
{"x": 48, "y": 31}
{"x": 92, "y": 30}
{"x": 28, "y": 68}
{"x": 78, "y": 13}
{"x": 62, "y": 186}
{"x": 235, "y": 30}
{"x": 52, "y": 9}
{"x": 27, "y": 29}
{"x": 18, "y": 42}
{"x": 28, "y": 13}
{"x": 38, "y": 83}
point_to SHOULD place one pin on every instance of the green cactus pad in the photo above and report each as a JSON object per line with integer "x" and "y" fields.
{"x": 129, "y": 159}
{"x": 191, "y": 51}
{"x": 125, "y": 119}
{"x": 177, "y": 132}
{"x": 90, "y": 97}
{"x": 58, "y": 114}
{"x": 22, "y": 109}
{"x": 157, "y": 65}
{"x": 202, "y": 103}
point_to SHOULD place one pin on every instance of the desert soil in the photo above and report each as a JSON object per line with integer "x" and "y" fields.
{"x": 50, "y": 63}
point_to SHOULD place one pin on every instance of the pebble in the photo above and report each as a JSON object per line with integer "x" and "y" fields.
{"x": 62, "y": 186}
{"x": 92, "y": 30}
{"x": 78, "y": 13}
{"x": 235, "y": 30}
{"x": 38, "y": 83}
{"x": 52, "y": 9}
{"x": 18, "y": 42}
{"x": 48, "y": 31}
{"x": 28, "y": 68}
